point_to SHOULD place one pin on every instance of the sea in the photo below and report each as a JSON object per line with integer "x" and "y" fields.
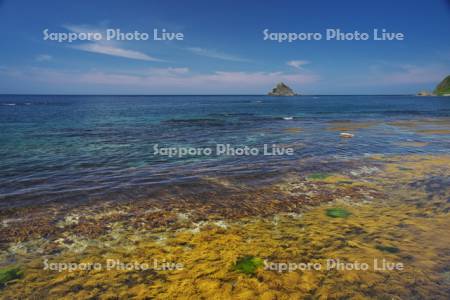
{"x": 77, "y": 149}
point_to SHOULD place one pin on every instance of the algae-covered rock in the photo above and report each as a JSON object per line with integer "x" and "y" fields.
{"x": 338, "y": 213}
{"x": 248, "y": 264}
{"x": 8, "y": 274}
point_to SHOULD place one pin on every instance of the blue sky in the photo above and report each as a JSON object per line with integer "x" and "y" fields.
{"x": 223, "y": 51}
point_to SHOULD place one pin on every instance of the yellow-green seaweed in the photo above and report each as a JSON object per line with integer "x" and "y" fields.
{"x": 337, "y": 212}
{"x": 9, "y": 273}
{"x": 248, "y": 264}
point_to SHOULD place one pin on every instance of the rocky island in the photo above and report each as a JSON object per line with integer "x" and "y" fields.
{"x": 282, "y": 90}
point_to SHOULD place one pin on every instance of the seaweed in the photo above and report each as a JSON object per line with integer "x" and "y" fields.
{"x": 8, "y": 274}
{"x": 248, "y": 264}
{"x": 318, "y": 176}
{"x": 338, "y": 213}
{"x": 390, "y": 249}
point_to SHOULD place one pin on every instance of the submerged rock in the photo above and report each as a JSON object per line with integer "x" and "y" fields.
{"x": 346, "y": 135}
{"x": 282, "y": 90}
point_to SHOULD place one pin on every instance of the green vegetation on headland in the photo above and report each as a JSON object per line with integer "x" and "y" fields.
{"x": 442, "y": 89}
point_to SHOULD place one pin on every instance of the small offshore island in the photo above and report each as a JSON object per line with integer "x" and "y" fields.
{"x": 282, "y": 90}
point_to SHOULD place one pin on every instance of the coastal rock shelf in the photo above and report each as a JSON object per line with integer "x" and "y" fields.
{"x": 377, "y": 213}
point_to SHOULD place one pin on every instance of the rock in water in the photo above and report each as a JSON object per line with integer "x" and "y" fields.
{"x": 346, "y": 135}
{"x": 424, "y": 94}
{"x": 443, "y": 88}
{"x": 282, "y": 90}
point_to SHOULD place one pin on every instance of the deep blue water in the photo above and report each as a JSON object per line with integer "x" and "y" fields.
{"x": 74, "y": 148}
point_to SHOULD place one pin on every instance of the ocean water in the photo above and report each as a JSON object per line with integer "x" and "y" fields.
{"x": 72, "y": 149}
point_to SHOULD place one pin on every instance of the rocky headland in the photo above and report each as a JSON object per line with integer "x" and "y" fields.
{"x": 442, "y": 89}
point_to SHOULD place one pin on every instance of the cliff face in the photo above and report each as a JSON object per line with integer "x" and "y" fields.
{"x": 282, "y": 90}
{"x": 443, "y": 88}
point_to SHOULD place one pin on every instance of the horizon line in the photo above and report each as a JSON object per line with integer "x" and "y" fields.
{"x": 172, "y": 95}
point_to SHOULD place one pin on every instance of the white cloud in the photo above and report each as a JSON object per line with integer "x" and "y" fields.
{"x": 169, "y": 80}
{"x": 212, "y": 81}
{"x": 43, "y": 57}
{"x": 84, "y": 28}
{"x": 298, "y": 64}
{"x": 405, "y": 74}
{"x": 216, "y": 54}
{"x": 112, "y": 48}
{"x": 168, "y": 71}
{"x": 114, "y": 51}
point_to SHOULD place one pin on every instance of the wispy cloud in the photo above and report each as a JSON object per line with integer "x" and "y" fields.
{"x": 216, "y": 54}
{"x": 112, "y": 48}
{"x": 84, "y": 28}
{"x": 297, "y": 64}
{"x": 43, "y": 57}
{"x": 168, "y": 80}
{"x": 170, "y": 71}
{"x": 114, "y": 51}
{"x": 406, "y": 74}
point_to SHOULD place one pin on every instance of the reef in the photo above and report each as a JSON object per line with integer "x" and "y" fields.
{"x": 392, "y": 208}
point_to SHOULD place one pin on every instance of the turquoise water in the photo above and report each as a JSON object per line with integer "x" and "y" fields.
{"x": 79, "y": 148}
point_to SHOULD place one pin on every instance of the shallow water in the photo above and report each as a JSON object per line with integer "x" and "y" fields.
{"x": 74, "y": 149}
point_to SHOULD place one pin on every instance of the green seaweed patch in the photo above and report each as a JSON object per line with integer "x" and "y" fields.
{"x": 248, "y": 264}
{"x": 390, "y": 249}
{"x": 8, "y": 274}
{"x": 338, "y": 213}
{"x": 318, "y": 176}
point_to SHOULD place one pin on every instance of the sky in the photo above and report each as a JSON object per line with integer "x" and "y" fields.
{"x": 223, "y": 50}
